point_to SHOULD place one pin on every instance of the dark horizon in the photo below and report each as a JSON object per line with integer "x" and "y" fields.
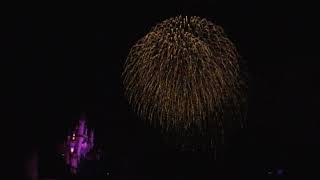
{"x": 57, "y": 66}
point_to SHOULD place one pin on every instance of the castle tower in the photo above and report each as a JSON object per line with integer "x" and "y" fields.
{"x": 82, "y": 125}
{"x": 91, "y": 138}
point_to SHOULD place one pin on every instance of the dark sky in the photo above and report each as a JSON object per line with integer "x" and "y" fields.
{"x": 58, "y": 63}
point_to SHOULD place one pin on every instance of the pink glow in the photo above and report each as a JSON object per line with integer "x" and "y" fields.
{"x": 79, "y": 145}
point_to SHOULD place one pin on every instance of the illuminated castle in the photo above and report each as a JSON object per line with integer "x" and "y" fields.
{"x": 78, "y": 145}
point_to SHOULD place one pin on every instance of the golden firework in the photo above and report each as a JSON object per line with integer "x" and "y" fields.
{"x": 184, "y": 73}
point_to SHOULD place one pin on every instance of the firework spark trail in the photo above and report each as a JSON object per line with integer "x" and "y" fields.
{"x": 184, "y": 72}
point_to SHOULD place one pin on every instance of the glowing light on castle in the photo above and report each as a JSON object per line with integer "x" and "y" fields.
{"x": 77, "y": 146}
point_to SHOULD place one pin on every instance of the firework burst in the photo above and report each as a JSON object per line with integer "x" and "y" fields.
{"x": 184, "y": 73}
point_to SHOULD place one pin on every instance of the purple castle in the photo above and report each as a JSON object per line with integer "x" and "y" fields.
{"x": 78, "y": 145}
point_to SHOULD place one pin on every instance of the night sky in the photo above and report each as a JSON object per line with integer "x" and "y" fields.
{"x": 57, "y": 64}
